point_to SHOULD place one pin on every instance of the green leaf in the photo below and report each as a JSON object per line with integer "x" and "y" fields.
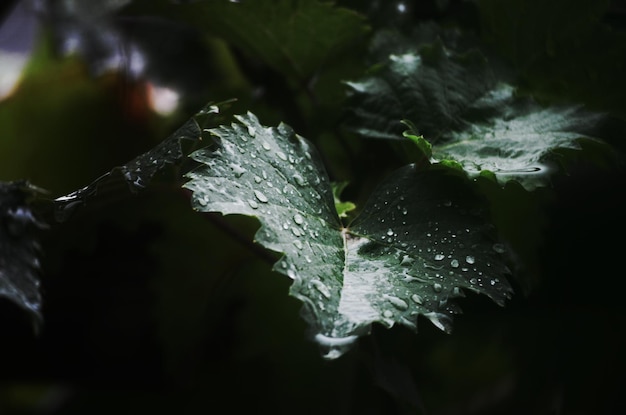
{"x": 19, "y": 263}
{"x": 417, "y": 244}
{"x": 296, "y": 38}
{"x": 342, "y": 207}
{"x": 139, "y": 172}
{"x": 457, "y": 104}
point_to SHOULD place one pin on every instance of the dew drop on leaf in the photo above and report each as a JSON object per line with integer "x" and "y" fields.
{"x": 321, "y": 287}
{"x": 253, "y": 204}
{"x": 298, "y": 244}
{"x": 387, "y": 314}
{"x": 398, "y": 303}
{"x": 470, "y": 259}
{"x": 282, "y": 155}
{"x": 417, "y": 299}
{"x": 299, "y": 180}
{"x": 439, "y": 257}
{"x": 260, "y": 196}
{"x": 298, "y": 219}
{"x": 499, "y": 248}
{"x": 437, "y": 287}
{"x": 454, "y": 263}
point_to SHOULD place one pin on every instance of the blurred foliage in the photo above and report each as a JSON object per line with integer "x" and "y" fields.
{"x": 151, "y": 307}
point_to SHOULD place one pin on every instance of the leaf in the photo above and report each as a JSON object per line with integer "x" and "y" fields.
{"x": 342, "y": 207}
{"x": 458, "y": 104}
{"x": 554, "y": 23}
{"x": 296, "y": 38}
{"x": 19, "y": 263}
{"x": 417, "y": 244}
{"x": 139, "y": 172}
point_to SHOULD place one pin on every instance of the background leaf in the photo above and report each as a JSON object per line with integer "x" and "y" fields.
{"x": 19, "y": 253}
{"x": 457, "y": 102}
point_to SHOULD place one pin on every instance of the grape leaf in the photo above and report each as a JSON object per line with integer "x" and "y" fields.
{"x": 19, "y": 249}
{"x": 140, "y": 171}
{"x": 295, "y": 38}
{"x": 458, "y": 104}
{"x": 416, "y": 245}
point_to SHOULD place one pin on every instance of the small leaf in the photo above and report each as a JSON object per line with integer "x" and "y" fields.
{"x": 417, "y": 244}
{"x": 342, "y": 207}
{"x": 19, "y": 263}
{"x": 425, "y": 148}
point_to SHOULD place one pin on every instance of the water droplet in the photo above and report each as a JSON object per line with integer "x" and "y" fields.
{"x": 321, "y": 287}
{"x": 387, "y": 314}
{"x": 251, "y": 131}
{"x": 257, "y": 179}
{"x": 398, "y": 303}
{"x": 406, "y": 260}
{"x": 470, "y": 259}
{"x": 417, "y": 299}
{"x": 439, "y": 320}
{"x": 405, "y": 211}
{"x": 281, "y": 155}
{"x": 253, "y": 204}
{"x": 298, "y": 244}
{"x": 299, "y": 180}
{"x": 237, "y": 170}
{"x": 260, "y": 196}
{"x": 447, "y": 203}
{"x": 389, "y": 232}
{"x": 454, "y": 263}
{"x": 439, "y": 257}
{"x": 437, "y": 287}
{"x": 492, "y": 282}
{"x": 473, "y": 280}
{"x": 499, "y": 248}
{"x": 266, "y": 146}
{"x": 296, "y": 231}
{"x": 298, "y": 219}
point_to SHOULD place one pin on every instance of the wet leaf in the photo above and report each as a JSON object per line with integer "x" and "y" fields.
{"x": 19, "y": 249}
{"x": 417, "y": 244}
{"x": 457, "y": 102}
{"x": 139, "y": 172}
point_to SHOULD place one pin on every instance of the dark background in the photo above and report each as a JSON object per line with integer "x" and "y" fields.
{"x": 151, "y": 307}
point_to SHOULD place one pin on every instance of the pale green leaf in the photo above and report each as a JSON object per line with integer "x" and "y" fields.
{"x": 417, "y": 244}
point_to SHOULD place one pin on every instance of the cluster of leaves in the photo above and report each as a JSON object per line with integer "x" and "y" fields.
{"x": 463, "y": 119}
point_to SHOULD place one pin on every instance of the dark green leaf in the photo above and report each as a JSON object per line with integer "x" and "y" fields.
{"x": 457, "y": 103}
{"x": 417, "y": 244}
{"x": 19, "y": 263}
{"x": 296, "y": 38}
{"x": 137, "y": 173}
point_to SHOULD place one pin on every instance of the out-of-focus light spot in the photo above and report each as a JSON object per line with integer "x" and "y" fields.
{"x": 162, "y": 100}
{"x": 11, "y": 66}
{"x": 401, "y": 7}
